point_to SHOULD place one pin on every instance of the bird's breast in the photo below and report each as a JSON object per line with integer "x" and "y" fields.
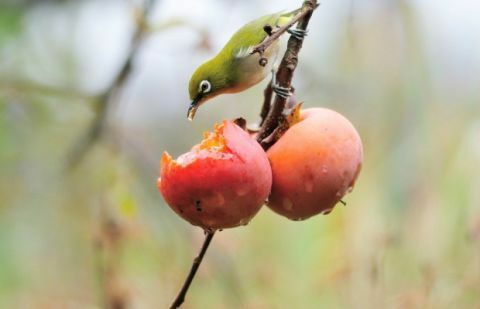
{"x": 250, "y": 72}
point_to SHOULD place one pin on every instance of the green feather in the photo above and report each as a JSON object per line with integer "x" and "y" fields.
{"x": 252, "y": 34}
{"x": 233, "y": 69}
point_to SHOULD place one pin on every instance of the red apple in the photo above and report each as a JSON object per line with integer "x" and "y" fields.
{"x": 221, "y": 183}
{"x": 314, "y": 164}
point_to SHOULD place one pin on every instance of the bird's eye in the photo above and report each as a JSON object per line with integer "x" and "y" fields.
{"x": 204, "y": 86}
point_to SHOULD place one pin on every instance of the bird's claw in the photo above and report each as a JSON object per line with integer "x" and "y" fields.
{"x": 299, "y": 34}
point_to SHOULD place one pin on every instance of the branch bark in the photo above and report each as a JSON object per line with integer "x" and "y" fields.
{"x": 109, "y": 96}
{"x": 267, "y": 101}
{"x": 196, "y": 263}
{"x": 284, "y": 76}
{"x": 108, "y": 245}
{"x": 274, "y": 34}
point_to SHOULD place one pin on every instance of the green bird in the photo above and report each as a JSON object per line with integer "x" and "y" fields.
{"x": 235, "y": 68}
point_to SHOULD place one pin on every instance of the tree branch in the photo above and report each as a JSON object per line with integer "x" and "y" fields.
{"x": 274, "y": 34}
{"x": 108, "y": 245}
{"x": 284, "y": 74}
{"x": 196, "y": 263}
{"x": 267, "y": 102}
{"x": 107, "y": 98}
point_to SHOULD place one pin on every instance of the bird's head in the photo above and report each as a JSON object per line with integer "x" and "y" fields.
{"x": 208, "y": 81}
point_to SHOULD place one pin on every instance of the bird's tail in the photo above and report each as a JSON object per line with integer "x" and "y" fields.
{"x": 289, "y": 15}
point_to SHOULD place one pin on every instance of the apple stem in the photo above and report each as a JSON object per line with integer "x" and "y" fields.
{"x": 193, "y": 270}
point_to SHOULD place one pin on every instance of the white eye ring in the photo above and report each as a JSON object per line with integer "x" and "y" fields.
{"x": 204, "y": 86}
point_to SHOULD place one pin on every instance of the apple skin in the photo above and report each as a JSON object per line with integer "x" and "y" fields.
{"x": 221, "y": 183}
{"x": 314, "y": 164}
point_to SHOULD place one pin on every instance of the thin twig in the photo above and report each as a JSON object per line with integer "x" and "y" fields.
{"x": 267, "y": 102}
{"x": 275, "y": 34}
{"x": 107, "y": 98}
{"x": 108, "y": 248}
{"x": 196, "y": 263}
{"x": 284, "y": 74}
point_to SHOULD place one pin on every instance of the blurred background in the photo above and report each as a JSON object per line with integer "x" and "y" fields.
{"x": 82, "y": 224}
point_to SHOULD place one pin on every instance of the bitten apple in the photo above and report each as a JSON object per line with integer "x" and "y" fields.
{"x": 314, "y": 164}
{"x": 221, "y": 183}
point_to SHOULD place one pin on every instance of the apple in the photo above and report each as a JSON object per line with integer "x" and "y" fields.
{"x": 314, "y": 164}
{"x": 221, "y": 183}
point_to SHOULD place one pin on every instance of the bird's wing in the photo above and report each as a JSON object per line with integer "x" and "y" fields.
{"x": 242, "y": 42}
{"x": 244, "y": 51}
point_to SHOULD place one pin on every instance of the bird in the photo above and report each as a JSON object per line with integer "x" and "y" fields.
{"x": 235, "y": 68}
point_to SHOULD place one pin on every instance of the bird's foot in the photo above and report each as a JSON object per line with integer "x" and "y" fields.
{"x": 299, "y": 34}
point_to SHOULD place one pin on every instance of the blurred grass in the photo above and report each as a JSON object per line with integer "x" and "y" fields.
{"x": 408, "y": 238}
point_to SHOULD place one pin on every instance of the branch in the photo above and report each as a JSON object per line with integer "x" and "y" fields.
{"x": 284, "y": 74}
{"x": 274, "y": 34}
{"x": 108, "y": 248}
{"x": 196, "y": 263}
{"x": 267, "y": 101}
{"x": 107, "y": 98}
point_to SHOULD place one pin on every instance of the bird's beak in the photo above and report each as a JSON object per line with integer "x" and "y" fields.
{"x": 193, "y": 107}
